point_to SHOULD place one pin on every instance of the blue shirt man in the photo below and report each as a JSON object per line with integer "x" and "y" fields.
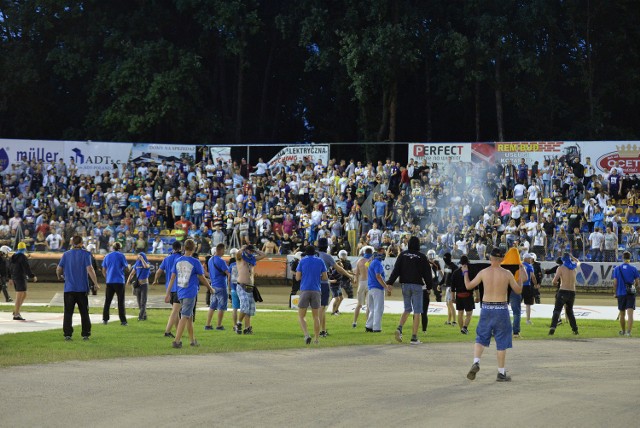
{"x": 167, "y": 265}
{"x": 376, "y": 285}
{"x": 311, "y": 268}
{"x": 76, "y": 266}
{"x": 114, "y": 265}
{"x": 217, "y": 272}
{"x": 626, "y": 280}
{"x": 375, "y": 268}
{"x": 187, "y": 269}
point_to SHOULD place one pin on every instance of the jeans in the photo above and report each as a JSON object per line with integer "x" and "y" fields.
{"x": 375, "y": 302}
{"x": 596, "y": 255}
{"x": 71, "y": 298}
{"x": 141, "y": 294}
{"x": 118, "y": 289}
{"x": 564, "y": 298}
{"x": 515, "y": 300}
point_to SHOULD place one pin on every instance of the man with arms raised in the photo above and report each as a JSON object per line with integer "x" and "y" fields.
{"x": 494, "y": 315}
{"x": 246, "y": 259}
{"x": 566, "y": 295}
{"x": 310, "y": 271}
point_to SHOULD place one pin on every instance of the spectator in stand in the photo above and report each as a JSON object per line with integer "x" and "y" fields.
{"x": 596, "y": 241}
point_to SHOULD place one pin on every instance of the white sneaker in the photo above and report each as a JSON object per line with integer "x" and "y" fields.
{"x": 529, "y": 322}
{"x": 398, "y": 334}
{"x": 628, "y": 334}
{"x": 415, "y": 342}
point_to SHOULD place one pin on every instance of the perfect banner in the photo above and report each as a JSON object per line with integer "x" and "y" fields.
{"x": 440, "y": 152}
{"x": 307, "y": 153}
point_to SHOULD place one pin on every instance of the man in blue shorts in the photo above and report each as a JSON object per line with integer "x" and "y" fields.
{"x": 76, "y": 268}
{"x": 494, "y": 316}
{"x": 186, "y": 273}
{"x": 414, "y": 271}
{"x": 626, "y": 280}
{"x": 219, "y": 274}
{"x": 310, "y": 271}
{"x": 166, "y": 266}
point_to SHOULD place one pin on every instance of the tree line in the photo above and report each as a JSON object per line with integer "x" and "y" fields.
{"x": 239, "y": 71}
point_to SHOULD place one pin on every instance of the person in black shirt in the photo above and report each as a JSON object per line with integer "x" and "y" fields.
{"x": 413, "y": 269}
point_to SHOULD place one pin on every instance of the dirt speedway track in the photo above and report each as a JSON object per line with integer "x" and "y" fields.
{"x": 570, "y": 383}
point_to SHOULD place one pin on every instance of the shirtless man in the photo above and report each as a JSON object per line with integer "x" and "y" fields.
{"x": 246, "y": 259}
{"x": 566, "y": 295}
{"x": 494, "y": 315}
{"x": 362, "y": 278}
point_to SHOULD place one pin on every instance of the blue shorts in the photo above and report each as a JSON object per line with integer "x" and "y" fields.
{"x": 494, "y": 321}
{"x": 336, "y": 291}
{"x": 219, "y": 299}
{"x": 187, "y": 306}
{"x": 627, "y": 302}
{"x": 324, "y": 294}
{"x": 412, "y": 295}
{"x": 247, "y": 304}
{"x": 235, "y": 301}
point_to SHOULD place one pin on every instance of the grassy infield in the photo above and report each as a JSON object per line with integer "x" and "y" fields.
{"x": 273, "y": 330}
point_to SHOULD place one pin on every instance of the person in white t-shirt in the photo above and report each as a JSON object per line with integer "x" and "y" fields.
{"x": 533, "y": 193}
{"x": 261, "y": 168}
{"x": 596, "y": 238}
{"x": 516, "y": 212}
{"x": 54, "y": 241}
{"x": 518, "y": 192}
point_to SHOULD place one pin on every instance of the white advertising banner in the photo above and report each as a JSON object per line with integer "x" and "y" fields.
{"x": 158, "y": 152}
{"x": 311, "y": 153}
{"x": 91, "y": 157}
{"x": 219, "y": 153}
{"x": 13, "y": 152}
{"x": 440, "y": 152}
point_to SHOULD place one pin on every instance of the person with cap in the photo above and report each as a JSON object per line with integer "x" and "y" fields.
{"x": 219, "y": 275}
{"x": 114, "y": 268}
{"x": 342, "y": 282}
{"x": 76, "y": 268}
{"x": 141, "y": 271}
{"x": 323, "y": 245}
{"x": 414, "y": 271}
{"x": 377, "y": 287}
{"x": 529, "y": 285}
{"x": 4, "y": 271}
{"x": 20, "y": 272}
{"x": 310, "y": 272}
{"x": 566, "y": 295}
{"x": 361, "y": 278}
{"x": 494, "y": 315}
{"x": 626, "y": 280}
{"x": 165, "y": 267}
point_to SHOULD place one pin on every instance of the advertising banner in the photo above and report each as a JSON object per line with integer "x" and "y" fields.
{"x": 220, "y": 154}
{"x": 145, "y": 152}
{"x": 440, "y": 152}
{"x": 311, "y": 153}
{"x": 14, "y": 151}
{"x": 90, "y": 156}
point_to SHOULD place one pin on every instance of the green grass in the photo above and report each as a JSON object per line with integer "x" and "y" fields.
{"x": 273, "y": 330}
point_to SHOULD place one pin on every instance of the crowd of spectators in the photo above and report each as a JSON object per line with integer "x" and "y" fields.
{"x": 457, "y": 208}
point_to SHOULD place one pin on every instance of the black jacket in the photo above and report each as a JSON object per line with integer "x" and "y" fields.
{"x": 20, "y": 268}
{"x": 412, "y": 268}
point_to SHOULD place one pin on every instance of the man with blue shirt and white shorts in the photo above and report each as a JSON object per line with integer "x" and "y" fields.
{"x": 219, "y": 274}
{"x": 494, "y": 315}
{"x": 166, "y": 266}
{"x": 310, "y": 271}
{"x": 377, "y": 288}
{"x": 76, "y": 268}
{"x": 187, "y": 273}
